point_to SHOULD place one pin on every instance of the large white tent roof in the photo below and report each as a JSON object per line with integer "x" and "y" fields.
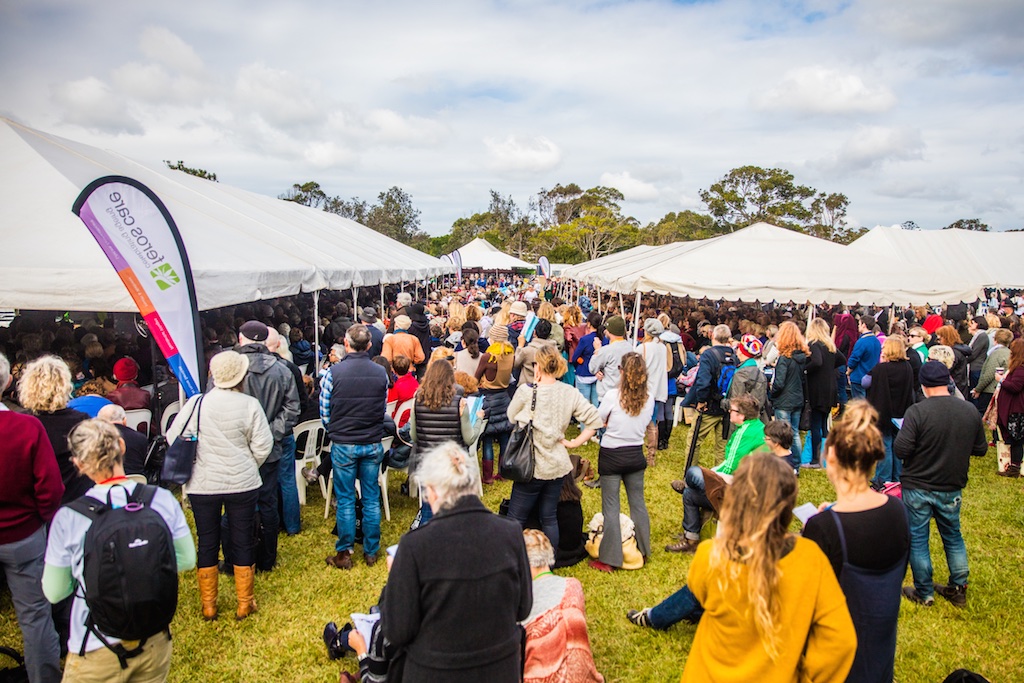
{"x": 242, "y": 246}
{"x": 482, "y": 255}
{"x": 992, "y": 257}
{"x": 590, "y": 271}
{"x": 764, "y": 262}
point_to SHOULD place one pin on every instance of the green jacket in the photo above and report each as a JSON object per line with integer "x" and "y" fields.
{"x": 746, "y": 439}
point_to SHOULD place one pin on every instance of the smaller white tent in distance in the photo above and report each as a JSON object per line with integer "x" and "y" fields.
{"x": 482, "y": 255}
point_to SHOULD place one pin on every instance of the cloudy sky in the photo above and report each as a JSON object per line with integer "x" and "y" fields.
{"x": 912, "y": 108}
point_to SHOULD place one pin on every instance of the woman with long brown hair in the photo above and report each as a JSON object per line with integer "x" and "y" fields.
{"x": 787, "y": 391}
{"x": 625, "y": 412}
{"x": 439, "y": 415}
{"x": 773, "y": 608}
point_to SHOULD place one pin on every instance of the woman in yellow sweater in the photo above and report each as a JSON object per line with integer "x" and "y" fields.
{"x": 774, "y": 611}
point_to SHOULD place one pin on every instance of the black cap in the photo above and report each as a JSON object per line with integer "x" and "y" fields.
{"x": 934, "y": 374}
{"x": 254, "y": 330}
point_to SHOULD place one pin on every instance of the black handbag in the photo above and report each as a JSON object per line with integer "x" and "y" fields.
{"x": 16, "y": 673}
{"x": 516, "y": 463}
{"x": 180, "y": 457}
{"x": 1015, "y": 426}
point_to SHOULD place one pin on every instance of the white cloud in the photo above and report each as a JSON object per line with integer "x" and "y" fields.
{"x": 279, "y": 97}
{"x": 523, "y": 154}
{"x": 633, "y": 189}
{"x": 391, "y": 127}
{"x": 920, "y": 189}
{"x": 871, "y": 146}
{"x": 327, "y": 154}
{"x": 164, "y": 47}
{"x": 820, "y": 90}
{"x": 90, "y": 103}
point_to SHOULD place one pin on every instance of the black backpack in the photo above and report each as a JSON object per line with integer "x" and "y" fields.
{"x": 130, "y": 570}
{"x": 677, "y": 362}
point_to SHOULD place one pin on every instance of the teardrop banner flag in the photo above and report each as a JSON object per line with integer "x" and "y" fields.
{"x": 545, "y": 266}
{"x": 457, "y": 257}
{"x": 142, "y": 243}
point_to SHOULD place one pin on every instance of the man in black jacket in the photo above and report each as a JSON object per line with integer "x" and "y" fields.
{"x": 935, "y": 443}
{"x": 353, "y": 398}
{"x": 271, "y": 383}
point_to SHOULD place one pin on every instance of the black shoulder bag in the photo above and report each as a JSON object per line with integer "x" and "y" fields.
{"x": 517, "y": 461}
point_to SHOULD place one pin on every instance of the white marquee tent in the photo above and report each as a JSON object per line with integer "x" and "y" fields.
{"x": 765, "y": 263}
{"x": 590, "y": 272}
{"x": 482, "y": 255}
{"x": 242, "y": 246}
{"x": 992, "y": 257}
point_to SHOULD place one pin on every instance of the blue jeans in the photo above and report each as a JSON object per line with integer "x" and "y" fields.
{"x": 793, "y": 418}
{"x": 890, "y": 467}
{"x": 291, "y": 518}
{"x": 675, "y": 608}
{"x": 488, "y": 444}
{"x": 857, "y": 391}
{"x": 589, "y": 392}
{"x": 819, "y": 430}
{"x": 542, "y": 492}
{"x": 22, "y": 563}
{"x": 363, "y": 461}
{"x": 944, "y": 506}
{"x": 694, "y": 501}
{"x": 842, "y": 385}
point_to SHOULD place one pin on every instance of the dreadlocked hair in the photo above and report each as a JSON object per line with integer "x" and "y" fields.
{"x": 632, "y": 383}
{"x": 753, "y": 533}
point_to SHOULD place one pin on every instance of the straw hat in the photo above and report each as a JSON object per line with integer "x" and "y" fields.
{"x": 228, "y": 368}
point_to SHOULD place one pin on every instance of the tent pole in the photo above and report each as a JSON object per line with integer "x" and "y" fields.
{"x": 599, "y": 299}
{"x": 382, "y": 311}
{"x": 636, "y": 317}
{"x": 316, "y": 331}
{"x": 355, "y": 304}
{"x": 622, "y": 308}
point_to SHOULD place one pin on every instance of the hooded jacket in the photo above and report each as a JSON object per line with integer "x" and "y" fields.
{"x": 788, "y": 385}
{"x": 271, "y": 383}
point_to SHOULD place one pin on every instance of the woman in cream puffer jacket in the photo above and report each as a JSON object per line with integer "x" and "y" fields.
{"x": 234, "y": 440}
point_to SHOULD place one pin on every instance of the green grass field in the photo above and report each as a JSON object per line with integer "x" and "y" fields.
{"x": 282, "y": 642}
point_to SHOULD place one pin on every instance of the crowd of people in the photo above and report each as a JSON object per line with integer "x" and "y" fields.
{"x": 892, "y": 407}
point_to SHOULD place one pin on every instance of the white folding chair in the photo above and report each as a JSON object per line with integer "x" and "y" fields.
{"x": 168, "y": 417}
{"x": 316, "y": 436}
{"x": 140, "y": 419}
{"x": 382, "y": 482}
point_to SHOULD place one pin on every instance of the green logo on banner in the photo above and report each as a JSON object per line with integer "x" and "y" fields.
{"x": 164, "y": 276}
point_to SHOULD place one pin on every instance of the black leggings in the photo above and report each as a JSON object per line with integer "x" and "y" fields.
{"x": 1016, "y": 447}
{"x": 240, "y": 511}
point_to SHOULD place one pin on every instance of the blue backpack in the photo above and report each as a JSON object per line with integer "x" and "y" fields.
{"x": 727, "y": 368}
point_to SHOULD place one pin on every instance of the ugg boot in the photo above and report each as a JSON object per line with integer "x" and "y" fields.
{"x": 651, "y": 441}
{"x": 488, "y": 473}
{"x": 208, "y": 591}
{"x": 244, "y": 591}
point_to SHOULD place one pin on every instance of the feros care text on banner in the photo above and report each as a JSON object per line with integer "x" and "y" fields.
{"x": 141, "y": 241}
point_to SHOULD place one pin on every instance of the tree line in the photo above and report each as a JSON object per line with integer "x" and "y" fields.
{"x": 569, "y": 224}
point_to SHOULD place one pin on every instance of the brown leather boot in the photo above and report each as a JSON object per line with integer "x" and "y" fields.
{"x": 488, "y": 474}
{"x": 651, "y": 441}
{"x": 244, "y": 591}
{"x": 208, "y": 591}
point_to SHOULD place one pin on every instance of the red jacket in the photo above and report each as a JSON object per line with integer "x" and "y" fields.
{"x": 405, "y": 388}
{"x": 32, "y": 486}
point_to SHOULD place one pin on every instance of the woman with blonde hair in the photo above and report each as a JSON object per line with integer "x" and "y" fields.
{"x": 547, "y": 312}
{"x": 44, "y": 389}
{"x": 773, "y": 609}
{"x": 551, "y": 405}
{"x": 572, "y": 324}
{"x": 494, "y": 372}
{"x": 822, "y": 388}
{"x": 890, "y": 391}
{"x": 787, "y": 390}
{"x": 625, "y": 413}
{"x": 866, "y": 538}
{"x": 98, "y": 454}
